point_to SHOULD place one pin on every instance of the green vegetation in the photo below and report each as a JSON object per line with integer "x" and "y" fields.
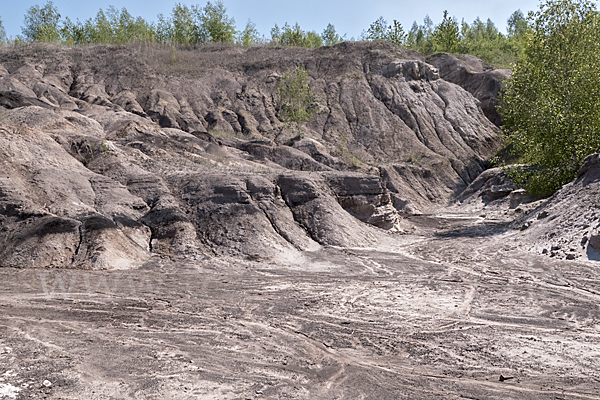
{"x": 480, "y": 39}
{"x": 41, "y": 24}
{"x": 445, "y": 35}
{"x": 3, "y": 38}
{"x": 380, "y": 30}
{"x": 330, "y": 36}
{"x": 197, "y": 25}
{"x": 294, "y": 36}
{"x": 550, "y": 105}
{"x": 249, "y": 36}
{"x": 296, "y": 101}
{"x": 214, "y": 24}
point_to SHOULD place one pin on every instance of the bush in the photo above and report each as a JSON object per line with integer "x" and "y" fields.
{"x": 296, "y": 101}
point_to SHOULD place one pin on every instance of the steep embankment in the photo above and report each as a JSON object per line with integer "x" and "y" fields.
{"x": 475, "y": 76}
{"x": 566, "y": 225}
{"x": 110, "y": 154}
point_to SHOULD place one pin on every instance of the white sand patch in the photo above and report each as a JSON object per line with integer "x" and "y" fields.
{"x": 8, "y": 391}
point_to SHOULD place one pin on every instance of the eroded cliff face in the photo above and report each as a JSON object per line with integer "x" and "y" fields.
{"x": 110, "y": 154}
{"x": 475, "y": 76}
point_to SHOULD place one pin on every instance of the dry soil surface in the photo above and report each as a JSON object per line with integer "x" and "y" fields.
{"x": 442, "y": 313}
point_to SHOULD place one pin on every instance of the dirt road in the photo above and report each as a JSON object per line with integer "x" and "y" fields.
{"x": 441, "y": 314}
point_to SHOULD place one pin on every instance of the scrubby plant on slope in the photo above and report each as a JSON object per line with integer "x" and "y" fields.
{"x": 296, "y": 100}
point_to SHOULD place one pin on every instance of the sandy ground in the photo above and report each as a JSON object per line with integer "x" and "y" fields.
{"x": 439, "y": 314}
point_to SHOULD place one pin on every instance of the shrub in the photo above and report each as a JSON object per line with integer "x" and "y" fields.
{"x": 296, "y": 101}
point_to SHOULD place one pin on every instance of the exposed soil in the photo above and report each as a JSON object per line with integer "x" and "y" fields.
{"x": 439, "y": 314}
{"x": 164, "y": 235}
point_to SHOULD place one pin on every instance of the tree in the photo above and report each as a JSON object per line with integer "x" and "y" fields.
{"x": 214, "y": 23}
{"x": 396, "y": 34}
{"x": 517, "y": 27}
{"x": 41, "y": 23}
{"x": 164, "y": 29}
{"x": 377, "y": 30}
{"x": 73, "y": 33}
{"x": 249, "y": 36}
{"x": 183, "y": 28}
{"x": 550, "y": 105}
{"x": 420, "y": 37}
{"x": 314, "y": 40}
{"x": 296, "y": 101}
{"x": 294, "y": 36}
{"x": 380, "y": 30}
{"x": 3, "y": 38}
{"x": 446, "y": 34}
{"x": 517, "y": 24}
{"x": 330, "y": 36}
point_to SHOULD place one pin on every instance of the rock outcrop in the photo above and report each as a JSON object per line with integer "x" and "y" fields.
{"x": 111, "y": 154}
{"x": 474, "y": 75}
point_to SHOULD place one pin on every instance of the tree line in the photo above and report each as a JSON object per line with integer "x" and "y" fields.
{"x": 196, "y": 25}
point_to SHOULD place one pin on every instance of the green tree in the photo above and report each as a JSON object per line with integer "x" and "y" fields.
{"x": 183, "y": 28}
{"x": 517, "y": 24}
{"x": 296, "y": 101}
{"x": 41, "y": 23}
{"x": 294, "y": 36}
{"x": 164, "y": 29}
{"x": 377, "y": 30}
{"x": 249, "y": 36}
{"x": 380, "y": 30}
{"x": 517, "y": 27}
{"x": 73, "y": 33}
{"x": 330, "y": 36}
{"x": 446, "y": 34}
{"x": 396, "y": 34}
{"x": 216, "y": 26}
{"x": 550, "y": 105}
{"x": 420, "y": 37}
{"x": 314, "y": 40}
{"x": 98, "y": 30}
{"x": 3, "y": 38}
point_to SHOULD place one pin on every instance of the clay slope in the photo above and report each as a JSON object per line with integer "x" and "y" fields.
{"x": 111, "y": 154}
{"x": 566, "y": 226}
{"x": 475, "y": 76}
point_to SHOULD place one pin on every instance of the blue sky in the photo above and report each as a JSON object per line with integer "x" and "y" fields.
{"x": 349, "y": 17}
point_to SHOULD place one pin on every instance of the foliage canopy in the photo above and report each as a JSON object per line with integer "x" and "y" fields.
{"x": 3, "y": 37}
{"x": 195, "y": 25}
{"x": 41, "y": 23}
{"x": 550, "y": 105}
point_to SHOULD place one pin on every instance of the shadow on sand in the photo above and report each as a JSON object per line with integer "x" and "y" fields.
{"x": 483, "y": 229}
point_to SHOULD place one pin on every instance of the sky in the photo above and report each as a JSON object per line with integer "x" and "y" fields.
{"x": 350, "y": 17}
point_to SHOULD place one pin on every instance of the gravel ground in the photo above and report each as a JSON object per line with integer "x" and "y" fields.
{"x": 439, "y": 314}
